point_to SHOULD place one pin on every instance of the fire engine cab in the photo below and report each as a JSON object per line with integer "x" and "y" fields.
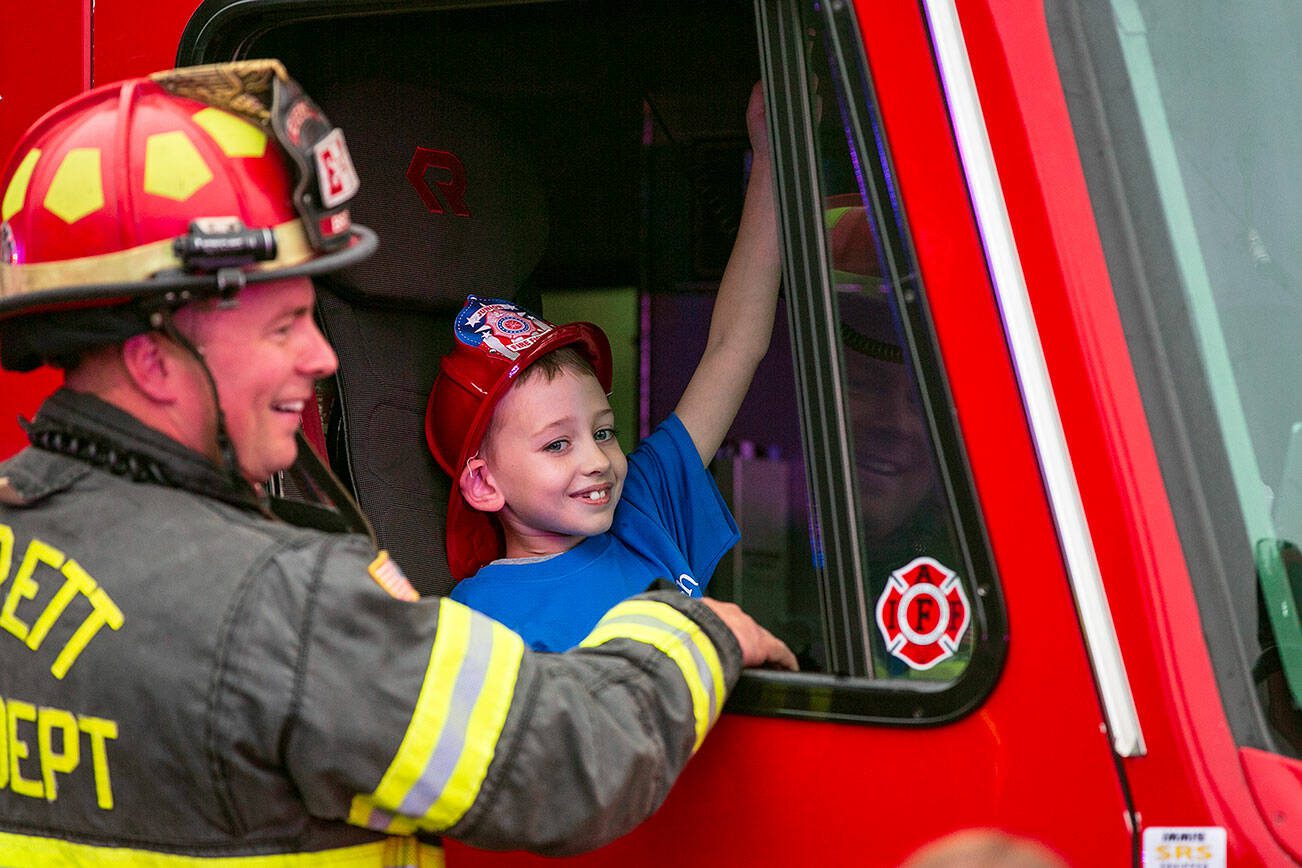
{"x": 1020, "y": 480}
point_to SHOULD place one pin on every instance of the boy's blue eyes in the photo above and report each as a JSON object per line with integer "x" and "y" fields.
{"x": 601, "y": 435}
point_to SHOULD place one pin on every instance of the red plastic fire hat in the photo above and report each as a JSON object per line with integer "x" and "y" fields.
{"x": 495, "y": 341}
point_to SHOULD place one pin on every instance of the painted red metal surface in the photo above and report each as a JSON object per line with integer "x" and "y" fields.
{"x": 1275, "y": 781}
{"x": 136, "y": 38}
{"x": 20, "y": 395}
{"x": 1033, "y": 759}
{"x": 1046, "y": 654}
{"x": 1191, "y": 775}
{"x": 34, "y": 75}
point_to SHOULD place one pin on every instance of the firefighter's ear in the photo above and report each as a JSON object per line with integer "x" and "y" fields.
{"x": 152, "y": 366}
{"x": 479, "y": 488}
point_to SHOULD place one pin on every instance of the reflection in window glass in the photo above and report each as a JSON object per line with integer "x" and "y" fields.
{"x": 921, "y": 622}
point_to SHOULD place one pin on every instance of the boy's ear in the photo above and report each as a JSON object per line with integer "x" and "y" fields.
{"x": 478, "y": 487}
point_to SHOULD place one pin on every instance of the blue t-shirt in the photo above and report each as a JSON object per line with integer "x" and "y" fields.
{"x": 670, "y": 523}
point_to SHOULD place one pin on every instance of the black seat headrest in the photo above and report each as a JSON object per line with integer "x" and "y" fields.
{"x": 457, "y": 205}
{"x": 458, "y": 209}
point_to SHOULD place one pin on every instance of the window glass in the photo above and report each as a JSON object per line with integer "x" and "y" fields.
{"x": 917, "y": 589}
{"x": 1212, "y": 177}
{"x": 897, "y": 608}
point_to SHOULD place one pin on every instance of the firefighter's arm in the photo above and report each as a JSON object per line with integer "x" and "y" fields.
{"x": 427, "y": 716}
{"x": 595, "y": 737}
{"x": 742, "y": 322}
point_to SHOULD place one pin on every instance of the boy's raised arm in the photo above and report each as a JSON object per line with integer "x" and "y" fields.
{"x": 742, "y": 322}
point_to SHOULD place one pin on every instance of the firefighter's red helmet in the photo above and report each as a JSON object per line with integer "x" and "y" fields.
{"x": 163, "y": 189}
{"x": 494, "y": 341}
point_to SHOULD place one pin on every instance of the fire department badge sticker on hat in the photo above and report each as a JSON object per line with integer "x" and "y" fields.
{"x": 494, "y": 341}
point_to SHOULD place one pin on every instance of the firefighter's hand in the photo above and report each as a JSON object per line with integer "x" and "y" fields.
{"x": 759, "y": 647}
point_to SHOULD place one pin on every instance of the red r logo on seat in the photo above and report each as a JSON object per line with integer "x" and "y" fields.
{"x": 453, "y": 186}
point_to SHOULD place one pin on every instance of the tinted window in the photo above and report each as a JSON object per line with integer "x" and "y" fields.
{"x": 1200, "y": 211}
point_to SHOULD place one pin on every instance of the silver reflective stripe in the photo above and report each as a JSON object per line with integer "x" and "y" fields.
{"x": 452, "y": 740}
{"x": 444, "y": 756}
{"x": 1033, "y": 376}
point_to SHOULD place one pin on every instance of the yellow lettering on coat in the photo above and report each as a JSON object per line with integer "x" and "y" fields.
{"x": 23, "y": 587}
{"x": 4, "y": 744}
{"x": 19, "y": 751}
{"x": 52, "y": 762}
{"x": 100, "y": 730}
{"x": 75, "y": 581}
{"x": 105, "y": 611}
{"x": 6, "y": 551}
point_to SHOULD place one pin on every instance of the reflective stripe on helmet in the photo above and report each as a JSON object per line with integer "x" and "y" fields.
{"x": 440, "y": 765}
{"x": 682, "y": 640}
{"x": 125, "y": 266}
{"x": 54, "y": 852}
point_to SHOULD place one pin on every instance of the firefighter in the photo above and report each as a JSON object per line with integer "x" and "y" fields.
{"x": 195, "y": 669}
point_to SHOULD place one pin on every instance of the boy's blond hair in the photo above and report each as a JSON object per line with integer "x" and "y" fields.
{"x": 553, "y": 364}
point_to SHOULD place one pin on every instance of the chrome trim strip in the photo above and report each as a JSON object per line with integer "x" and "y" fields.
{"x": 1033, "y": 377}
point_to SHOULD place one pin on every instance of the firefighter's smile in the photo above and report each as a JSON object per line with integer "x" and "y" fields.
{"x": 887, "y": 456}
{"x": 292, "y": 407}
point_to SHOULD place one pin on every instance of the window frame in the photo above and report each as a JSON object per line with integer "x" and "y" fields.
{"x": 815, "y": 326}
{"x": 224, "y": 29}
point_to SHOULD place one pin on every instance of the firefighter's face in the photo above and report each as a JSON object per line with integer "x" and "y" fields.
{"x": 265, "y": 354}
{"x": 894, "y": 464}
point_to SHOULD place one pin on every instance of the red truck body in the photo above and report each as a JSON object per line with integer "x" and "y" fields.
{"x": 1054, "y": 745}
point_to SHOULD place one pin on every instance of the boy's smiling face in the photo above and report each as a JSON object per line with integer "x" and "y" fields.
{"x": 551, "y": 451}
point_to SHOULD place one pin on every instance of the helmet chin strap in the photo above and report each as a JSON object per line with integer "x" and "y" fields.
{"x": 308, "y": 471}
{"x": 162, "y": 320}
{"x": 313, "y": 477}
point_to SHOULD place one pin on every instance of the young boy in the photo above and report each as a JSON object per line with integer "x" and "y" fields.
{"x": 549, "y": 525}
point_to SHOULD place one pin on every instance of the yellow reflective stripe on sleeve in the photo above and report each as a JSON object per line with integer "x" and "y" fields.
{"x": 682, "y": 640}
{"x": 57, "y": 853}
{"x": 452, "y": 738}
